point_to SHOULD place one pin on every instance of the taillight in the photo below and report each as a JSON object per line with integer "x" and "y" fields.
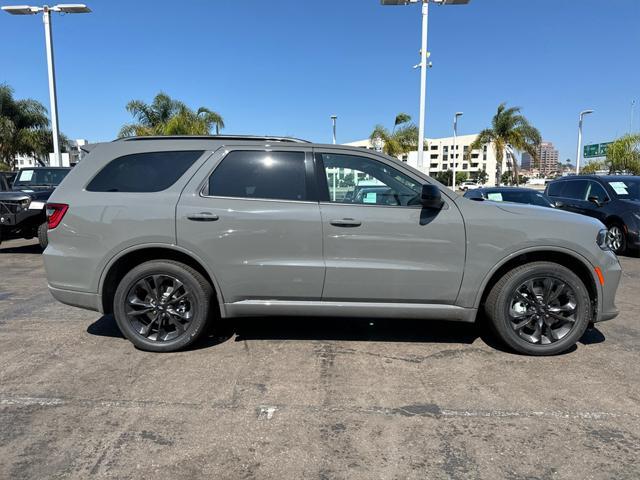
{"x": 55, "y": 213}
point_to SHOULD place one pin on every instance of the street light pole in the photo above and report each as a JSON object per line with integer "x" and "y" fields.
{"x": 582, "y": 114}
{"x": 455, "y": 153}
{"x": 423, "y": 84}
{"x": 424, "y": 55}
{"x": 333, "y": 120}
{"x": 53, "y": 96}
{"x": 48, "y": 39}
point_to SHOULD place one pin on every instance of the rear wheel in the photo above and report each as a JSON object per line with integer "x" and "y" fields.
{"x": 43, "y": 237}
{"x": 539, "y": 308}
{"x": 162, "y": 305}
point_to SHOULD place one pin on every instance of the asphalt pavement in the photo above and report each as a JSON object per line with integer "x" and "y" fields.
{"x": 308, "y": 398}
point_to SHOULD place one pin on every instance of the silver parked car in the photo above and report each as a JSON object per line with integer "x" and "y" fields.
{"x": 172, "y": 233}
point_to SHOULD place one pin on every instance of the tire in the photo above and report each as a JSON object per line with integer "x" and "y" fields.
{"x": 545, "y": 334}
{"x": 157, "y": 325}
{"x": 43, "y": 237}
{"x": 618, "y": 238}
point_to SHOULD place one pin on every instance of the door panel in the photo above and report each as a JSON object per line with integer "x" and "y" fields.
{"x": 379, "y": 246}
{"x": 257, "y": 248}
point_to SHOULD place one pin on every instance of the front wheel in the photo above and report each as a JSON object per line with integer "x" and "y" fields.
{"x": 162, "y": 305}
{"x": 617, "y": 239}
{"x": 539, "y": 308}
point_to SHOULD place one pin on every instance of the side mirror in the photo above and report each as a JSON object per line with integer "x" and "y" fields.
{"x": 596, "y": 200}
{"x": 431, "y": 197}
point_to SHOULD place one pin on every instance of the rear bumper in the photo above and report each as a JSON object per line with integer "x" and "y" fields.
{"x": 88, "y": 301}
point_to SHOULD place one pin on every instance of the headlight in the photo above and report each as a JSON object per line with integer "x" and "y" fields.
{"x": 602, "y": 239}
{"x": 23, "y": 204}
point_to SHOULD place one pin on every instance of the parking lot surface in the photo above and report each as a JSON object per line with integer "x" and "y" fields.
{"x": 308, "y": 398}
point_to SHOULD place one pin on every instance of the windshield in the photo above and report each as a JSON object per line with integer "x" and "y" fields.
{"x": 627, "y": 189}
{"x": 40, "y": 177}
{"x": 531, "y": 198}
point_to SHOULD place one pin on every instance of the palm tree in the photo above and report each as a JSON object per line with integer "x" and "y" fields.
{"x": 23, "y": 128}
{"x": 402, "y": 139}
{"x": 509, "y": 129}
{"x": 167, "y": 116}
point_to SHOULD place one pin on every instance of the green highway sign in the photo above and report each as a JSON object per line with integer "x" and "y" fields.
{"x": 596, "y": 150}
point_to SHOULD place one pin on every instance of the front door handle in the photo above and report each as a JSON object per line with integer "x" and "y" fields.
{"x": 203, "y": 217}
{"x": 345, "y": 222}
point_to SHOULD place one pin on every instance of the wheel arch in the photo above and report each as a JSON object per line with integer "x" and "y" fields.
{"x": 575, "y": 262}
{"x": 122, "y": 263}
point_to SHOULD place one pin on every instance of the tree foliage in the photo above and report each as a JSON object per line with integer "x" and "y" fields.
{"x": 510, "y": 128}
{"x": 24, "y": 129}
{"x": 402, "y": 139}
{"x": 167, "y": 116}
{"x": 623, "y": 155}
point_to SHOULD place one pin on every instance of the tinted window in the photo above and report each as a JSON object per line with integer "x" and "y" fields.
{"x": 361, "y": 180}
{"x": 555, "y": 189}
{"x": 597, "y": 190}
{"x": 271, "y": 175}
{"x": 143, "y": 172}
{"x": 576, "y": 189}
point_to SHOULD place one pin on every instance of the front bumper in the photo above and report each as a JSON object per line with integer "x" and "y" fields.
{"x": 13, "y": 220}
{"x": 611, "y": 274}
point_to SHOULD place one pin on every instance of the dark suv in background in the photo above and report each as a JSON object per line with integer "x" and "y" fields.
{"x": 612, "y": 199}
{"x": 22, "y": 206}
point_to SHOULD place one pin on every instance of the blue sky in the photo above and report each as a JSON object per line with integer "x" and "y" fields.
{"x": 284, "y": 66}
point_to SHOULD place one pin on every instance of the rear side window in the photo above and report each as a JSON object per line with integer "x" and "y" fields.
{"x": 555, "y": 189}
{"x": 576, "y": 189}
{"x": 143, "y": 172}
{"x": 255, "y": 174}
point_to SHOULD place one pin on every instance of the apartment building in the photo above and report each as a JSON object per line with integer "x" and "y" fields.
{"x": 548, "y": 156}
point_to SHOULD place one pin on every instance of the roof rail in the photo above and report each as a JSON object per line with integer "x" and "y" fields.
{"x": 214, "y": 137}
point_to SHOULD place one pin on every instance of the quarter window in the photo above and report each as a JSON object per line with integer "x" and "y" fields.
{"x": 143, "y": 172}
{"x": 256, "y": 174}
{"x": 360, "y": 180}
{"x": 555, "y": 189}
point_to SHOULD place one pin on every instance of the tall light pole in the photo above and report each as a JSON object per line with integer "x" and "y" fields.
{"x": 455, "y": 153}
{"x": 333, "y": 121}
{"x": 582, "y": 114}
{"x": 46, "y": 18}
{"x": 423, "y": 63}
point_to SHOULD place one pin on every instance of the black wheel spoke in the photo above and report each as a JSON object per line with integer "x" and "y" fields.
{"x": 542, "y": 310}
{"x": 159, "y": 307}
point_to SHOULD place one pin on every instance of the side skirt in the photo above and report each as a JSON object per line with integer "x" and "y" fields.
{"x": 258, "y": 308}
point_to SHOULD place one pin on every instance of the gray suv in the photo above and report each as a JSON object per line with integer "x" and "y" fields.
{"x": 172, "y": 233}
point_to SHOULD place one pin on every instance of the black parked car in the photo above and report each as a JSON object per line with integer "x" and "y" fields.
{"x": 22, "y": 207}
{"x": 613, "y": 199}
{"x": 510, "y": 194}
{"x": 6, "y": 180}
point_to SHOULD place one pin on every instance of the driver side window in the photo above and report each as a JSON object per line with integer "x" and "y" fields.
{"x": 352, "y": 179}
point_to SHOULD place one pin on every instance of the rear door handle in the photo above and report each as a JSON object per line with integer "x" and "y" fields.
{"x": 203, "y": 217}
{"x": 345, "y": 222}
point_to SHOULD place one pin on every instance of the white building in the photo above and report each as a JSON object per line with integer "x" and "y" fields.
{"x": 439, "y": 157}
{"x": 70, "y": 158}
